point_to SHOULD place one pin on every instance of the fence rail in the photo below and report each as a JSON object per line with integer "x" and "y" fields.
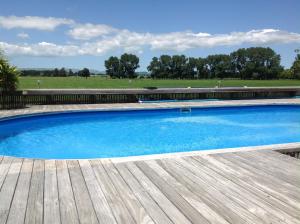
{"x": 21, "y": 99}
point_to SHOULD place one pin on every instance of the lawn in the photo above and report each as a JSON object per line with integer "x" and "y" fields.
{"x": 99, "y": 82}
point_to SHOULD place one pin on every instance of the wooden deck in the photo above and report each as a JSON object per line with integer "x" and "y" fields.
{"x": 242, "y": 187}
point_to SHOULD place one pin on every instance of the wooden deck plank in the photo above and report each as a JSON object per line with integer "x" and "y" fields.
{"x": 68, "y": 210}
{"x": 221, "y": 204}
{"x": 274, "y": 158}
{"x": 256, "y": 197}
{"x": 185, "y": 208}
{"x": 240, "y": 196}
{"x": 4, "y": 167}
{"x": 99, "y": 201}
{"x": 166, "y": 205}
{"x": 83, "y": 201}
{"x": 266, "y": 208}
{"x": 132, "y": 203}
{"x": 287, "y": 188}
{"x": 34, "y": 211}
{"x": 273, "y": 164}
{"x": 51, "y": 201}
{"x": 8, "y": 189}
{"x": 18, "y": 207}
{"x": 240, "y": 187}
{"x": 258, "y": 180}
{"x": 146, "y": 200}
{"x": 280, "y": 157}
{"x": 122, "y": 215}
{"x": 189, "y": 196}
{"x": 275, "y": 168}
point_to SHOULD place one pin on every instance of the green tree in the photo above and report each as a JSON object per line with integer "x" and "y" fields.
{"x": 155, "y": 68}
{"x": 191, "y": 68}
{"x": 62, "y": 72}
{"x": 219, "y": 66}
{"x": 55, "y": 72}
{"x": 238, "y": 63}
{"x": 296, "y": 66}
{"x": 175, "y": 67}
{"x": 161, "y": 67}
{"x": 286, "y": 74}
{"x": 166, "y": 63}
{"x": 8, "y": 76}
{"x": 70, "y": 73}
{"x": 202, "y": 70}
{"x": 113, "y": 68}
{"x": 178, "y": 66}
{"x": 85, "y": 73}
{"x": 129, "y": 63}
{"x": 256, "y": 63}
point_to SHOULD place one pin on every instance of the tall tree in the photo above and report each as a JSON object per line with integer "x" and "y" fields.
{"x": 55, "y": 72}
{"x": 178, "y": 66}
{"x": 296, "y": 66}
{"x": 85, "y": 73}
{"x": 113, "y": 68}
{"x": 256, "y": 63}
{"x": 219, "y": 65}
{"x": 8, "y": 76}
{"x": 129, "y": 63}
{"x": 191, "y": 68}
{"x": 155, "y": 68}
{"x": 62, "y": 72}
{"x": 202, "y": 68}
{"x": 238, "y": 62}
{"x": 70, "y": 73}
{"x": 166, "y": 63}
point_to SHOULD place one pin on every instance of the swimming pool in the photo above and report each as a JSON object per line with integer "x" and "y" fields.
{"x": 100, "y": 134}
{"x": 172, "y": 101}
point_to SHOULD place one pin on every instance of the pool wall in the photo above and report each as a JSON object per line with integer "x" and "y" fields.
{"x": 288, "y": 148}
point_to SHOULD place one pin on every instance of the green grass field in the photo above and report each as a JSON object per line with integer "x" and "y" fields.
{"x": 98, "y": 82}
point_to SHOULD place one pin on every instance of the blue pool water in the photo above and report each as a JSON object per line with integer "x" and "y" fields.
{"x": 172, "y": 101}
{"x": 131, "y": 133}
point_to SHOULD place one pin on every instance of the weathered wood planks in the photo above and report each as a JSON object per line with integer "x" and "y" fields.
{"x": 241, "y": 187}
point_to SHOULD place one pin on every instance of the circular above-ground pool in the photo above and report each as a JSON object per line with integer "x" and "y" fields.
{"x": 100, "y": 134}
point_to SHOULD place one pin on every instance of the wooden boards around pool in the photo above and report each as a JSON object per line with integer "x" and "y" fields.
{"x": 241, "y": 187}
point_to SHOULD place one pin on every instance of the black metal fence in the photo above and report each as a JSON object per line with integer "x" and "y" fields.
{"x": 21, "y": 99}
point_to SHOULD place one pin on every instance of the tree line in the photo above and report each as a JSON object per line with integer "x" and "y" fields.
{"x": 62, "y": 72}
{"x": 123, "y": 67}
{"x": 244, "y": 63}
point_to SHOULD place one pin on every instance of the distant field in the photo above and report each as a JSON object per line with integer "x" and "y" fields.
{"x": 98, "y": 82}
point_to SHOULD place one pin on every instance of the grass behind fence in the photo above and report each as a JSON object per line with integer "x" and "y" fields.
{"x": 99, "y": 82}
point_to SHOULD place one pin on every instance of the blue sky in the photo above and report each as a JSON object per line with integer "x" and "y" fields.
{"x": 76, "y": 34}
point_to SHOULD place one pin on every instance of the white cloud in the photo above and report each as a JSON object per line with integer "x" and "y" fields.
{"x": 88, "y": 31}
{"x": 108, "y": 39}
{"x": 33, "y": 22}
{"x": 40, "y": 49}
{"x": 182, "y": 41}
{"x": 186, "y": 40}
{"x": 23, "y": 35}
